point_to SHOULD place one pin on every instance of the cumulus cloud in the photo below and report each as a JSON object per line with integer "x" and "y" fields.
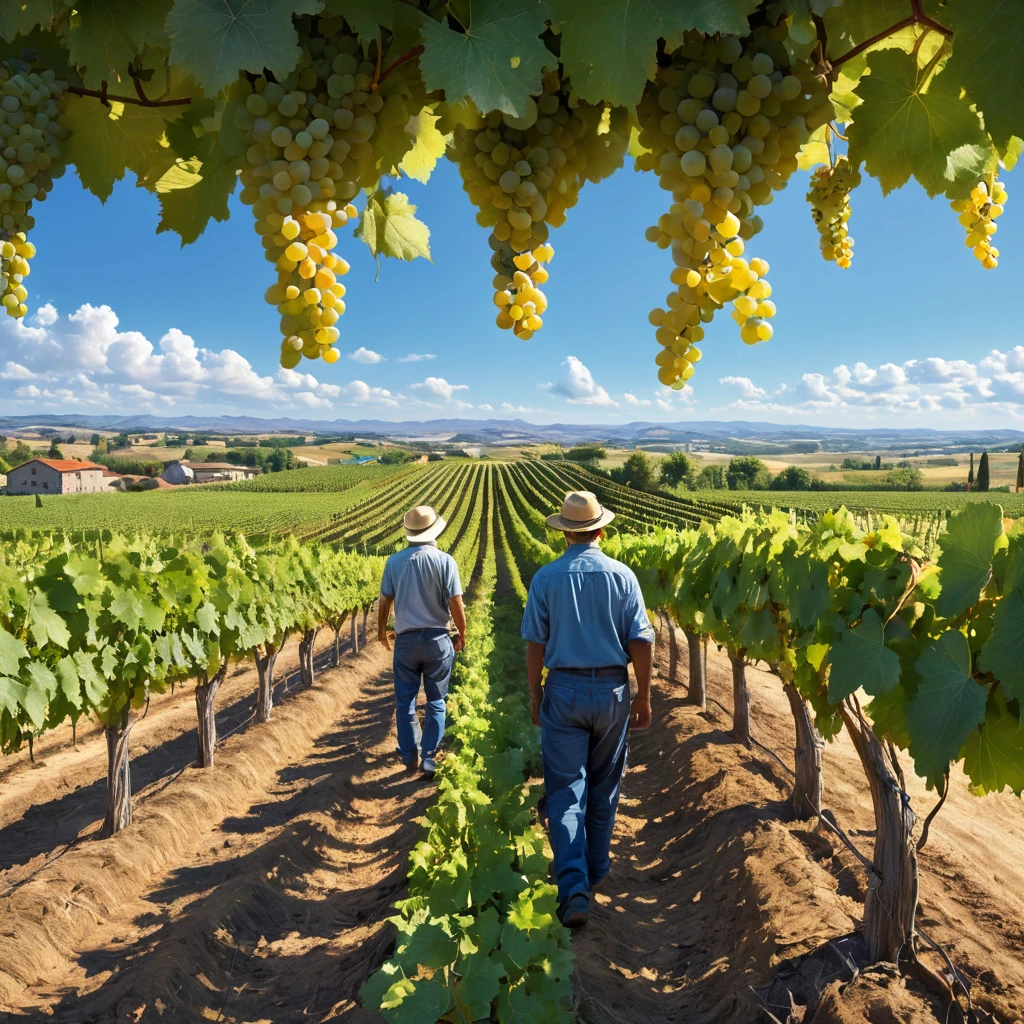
{"x": 509, "y": 407}
{"x": 579, "y": 387}
{"x": 486, "y": 407}
{"x": 913, "y": 388}
{"x": 86, "y": 360}
{"x": 630, "y": 399}
{"x": 416, "y": 357}
{"x": 439, "y": 388}
{"x": 366, "y": 356}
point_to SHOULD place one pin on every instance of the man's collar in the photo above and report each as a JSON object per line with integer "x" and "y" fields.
{"x": 423, "y": 543}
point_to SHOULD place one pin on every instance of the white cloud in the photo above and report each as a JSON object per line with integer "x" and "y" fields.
{"x": 46, "y": 315}
{"x": 746, "y": 386}
{"x": 86, "y": 360}
{"x": 416, "y": 357}
{"x": 485, "y": 407}
{"x": 440, "y": 388}
{"x": 509, "y": 407}
{"x": 366, "y": 356}
{"x": 579, "y": 387}
{"x": 630, "y": 399}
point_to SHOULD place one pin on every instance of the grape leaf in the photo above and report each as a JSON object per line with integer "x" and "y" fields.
{"x": 609, "y": 48}
{"x": 497, "y": 61}
{"x": 45, "y": 625}
{"x": 389, "y": 227}
{"x": 20, "y": 18}
{"x": 12, "y": 653}
{"x": 106, "y": 35}
{"x": 12, "y": 696}
{"x": 365, "y": 17}
{"x": 1003, "y": 653}
{"x": 67, "y": 677}
{"x": 947, "y": 706}
{"x": 859, "y": 658}
{"x": 994, "y": 754}
{"x": 814, "y": 151}
{"x": 968, "y": 547}
{"x": 212, "y": 39}
{"x": 427, "y": 149}
{"x": 189, "y": 198}
{"x": 909, "y": 124}
{"x": 413, "y": 1002}
{"x": 105, "y": 142}
{"x": 37, "y": 693}
{"x": 478, "y": 985}
{"x": 988, "y": 61}
{"x": 857, "y": 20}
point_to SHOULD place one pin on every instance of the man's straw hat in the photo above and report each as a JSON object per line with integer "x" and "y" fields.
{"x": 581, "y": 512}
{"x": 422, "y": 523}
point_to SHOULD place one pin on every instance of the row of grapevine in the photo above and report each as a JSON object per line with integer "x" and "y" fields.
{"x": 839, "y": 614}
{"x": 94, "y": 632}
{"x": 478, "y": 933}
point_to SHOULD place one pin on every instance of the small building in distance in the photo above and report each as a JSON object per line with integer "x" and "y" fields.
{"x": 207, "y": 472}
{"x": 56, "y": 476}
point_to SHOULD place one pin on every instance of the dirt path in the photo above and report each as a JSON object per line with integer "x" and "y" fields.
{"x": 713, "y": 885}
{"x": 255, "y": 892}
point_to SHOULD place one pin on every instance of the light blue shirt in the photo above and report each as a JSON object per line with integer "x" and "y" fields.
{"x": 585, "y": 607}
{"x": 422, "y": 579}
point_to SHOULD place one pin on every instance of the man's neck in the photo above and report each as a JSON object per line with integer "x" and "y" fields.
{"x": 423, "y": 543}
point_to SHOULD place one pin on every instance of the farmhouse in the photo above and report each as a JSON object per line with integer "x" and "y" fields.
{"x": 56, "y": 476}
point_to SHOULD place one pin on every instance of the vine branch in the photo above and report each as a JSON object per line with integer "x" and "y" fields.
{"x": 916, "y": 17}
{"x": 142, "y": 100}
{"x": 409, "y": 54}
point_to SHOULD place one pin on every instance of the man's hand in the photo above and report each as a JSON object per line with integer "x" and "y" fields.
{"x": 382, "y": 636}
{"x": 459, "y": 642}
{"x": 640, "y": 713}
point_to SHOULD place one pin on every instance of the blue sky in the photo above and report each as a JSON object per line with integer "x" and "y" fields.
{"x": 916, "y": 333}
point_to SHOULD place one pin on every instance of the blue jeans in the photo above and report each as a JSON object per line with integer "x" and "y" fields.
{"x": 425, "y": 654}
{"x": 584, "y": 724}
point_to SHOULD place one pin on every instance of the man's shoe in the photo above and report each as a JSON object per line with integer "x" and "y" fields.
{"x": 594, "y": 886}
{"x": 428, "y": 766}
{"x": 411, "y": 764}
{"x": 576, "y": 911}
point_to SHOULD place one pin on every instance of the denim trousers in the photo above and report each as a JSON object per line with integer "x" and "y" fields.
{"x": 584, "y": 727}
{"x": 421, "y": 655}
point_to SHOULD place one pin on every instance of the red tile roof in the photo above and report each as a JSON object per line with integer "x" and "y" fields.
{"x": 65, "y": 465}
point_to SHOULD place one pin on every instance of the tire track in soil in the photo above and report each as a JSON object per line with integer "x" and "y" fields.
{"x": 277, "y": 914}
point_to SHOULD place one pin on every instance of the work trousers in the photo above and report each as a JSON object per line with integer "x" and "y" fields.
{"x": 584, "y": 724}
{"x": 421, "y": 656}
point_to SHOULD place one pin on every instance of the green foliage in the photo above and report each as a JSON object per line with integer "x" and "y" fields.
{"x": 638, "y": 472}
{"x": 390, "y": 228}
{"x": 983, "y": 473}
{"x": 586, "y": 453}
{"x": 903, "y": 479}
{"x": 747, "y": 472}
{"x": 792, "y": 478}
{"x": 395, "y": 457}
{"x": 678, "y": 468}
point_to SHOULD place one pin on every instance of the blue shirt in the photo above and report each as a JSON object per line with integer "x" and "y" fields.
{"x": 422, "y": 579}
{"x": 585, "y": 607}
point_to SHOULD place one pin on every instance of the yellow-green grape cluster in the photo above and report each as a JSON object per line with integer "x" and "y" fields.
{"x": 31, "y": 133}
{"x": 310, "y": 151}
{"x": 978, "y": 215}
{"x": 523, "y": 173}
{"x": 829, "y": 197}
{"x": 723, "y": 124}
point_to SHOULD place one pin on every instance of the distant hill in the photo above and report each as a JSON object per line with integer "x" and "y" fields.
{"x": 729, "y": 436}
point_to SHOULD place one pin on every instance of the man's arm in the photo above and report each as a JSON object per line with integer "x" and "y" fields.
{"x": 535, "y": 672}
{"x": 458, "y": 610}
{"x": 383, "y": 613}
{"x": 642, "y": 654}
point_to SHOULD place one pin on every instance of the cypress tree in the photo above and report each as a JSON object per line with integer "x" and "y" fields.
{"x": 970, "y": 474}
{"x": 983, "y": 472}
{"x": 1020, "y": 468}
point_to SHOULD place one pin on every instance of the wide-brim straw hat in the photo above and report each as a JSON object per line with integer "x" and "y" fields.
{"x": 422, "y": 523}
{"x": 581, "y": 513}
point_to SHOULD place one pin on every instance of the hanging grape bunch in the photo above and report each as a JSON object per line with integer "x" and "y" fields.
{"x": 523, "y": 173}
{"x": 723, "y": 123}
{"x": 31, "y": 157}
{"x": 310, "y": 151}
{"x": 829, "y": 196}
{"x": 978, "y": 216}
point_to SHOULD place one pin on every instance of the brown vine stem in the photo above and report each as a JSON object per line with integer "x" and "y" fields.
{"x": 916, "y": 17}
{"x": 414, "y": 51}
{"x": 142, "y": 101}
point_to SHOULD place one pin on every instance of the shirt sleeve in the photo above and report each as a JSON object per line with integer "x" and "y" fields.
{"x": 535, "y": 615}
{"x": 453, "y": 584}
{"x": 637, "y": 625}
{"x": 387, "y": 584}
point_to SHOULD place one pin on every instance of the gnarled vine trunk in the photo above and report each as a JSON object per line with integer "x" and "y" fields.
{"x": 206, "y": 693}
{"x": 355, "y": 634}
{"x": 366, "y": 616}
{"x": 807, "y": 785}
{"x": 673, "y": 651}
{"x": 740, "y": 697}
{"x": 265, "y": 660}
{"x": 337, "y": 638}
{"x": 891, "y": 904}
{"x": 306, "y": 646}
{"x": 119, "y": 777}
{"x": 698, "y": 687}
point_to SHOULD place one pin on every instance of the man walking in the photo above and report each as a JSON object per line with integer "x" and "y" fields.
{"x": 585, "y": 621}
{"x": 422, "y": 583}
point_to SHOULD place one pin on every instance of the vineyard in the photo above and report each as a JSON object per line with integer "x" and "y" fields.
{"x": 794, "y": 657}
